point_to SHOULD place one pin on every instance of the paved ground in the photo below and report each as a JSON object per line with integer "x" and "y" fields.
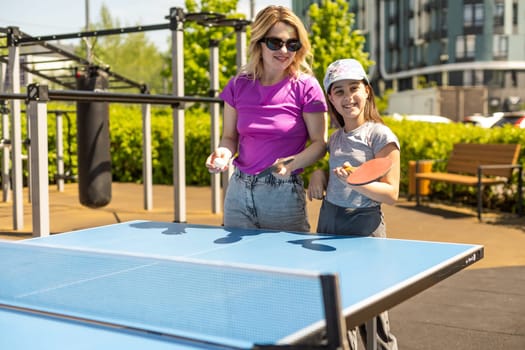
{"x": 482, "y": 307}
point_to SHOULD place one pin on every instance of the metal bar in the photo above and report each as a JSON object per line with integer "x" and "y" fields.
{"x": 65, "y": 53}
{"x": 74, "y": 95}
{"x": 17, "y": 37}
{"x": 91, "y": 96}
{"x": 147, "y": 165}
{"x": 93, "y": 33}
{"x": 34, "y": 63}
{"x": 55, "y": 70}
{"x": 37, "y": 113}
{"x": 479, "y": 196}
{"x": 6, "y": 181}
{"x": 216, "y": 200}
{"x": 60, "y": 151}
{"x": 27, "y": 157}
{"x": 371, "y": 331}
{"x": 13, "y": 68}
{"x": 520, "y": 191}
{"x": 53, "y": 79}
{"x": 179, "y": 160}
{"x": 336, "y": 332}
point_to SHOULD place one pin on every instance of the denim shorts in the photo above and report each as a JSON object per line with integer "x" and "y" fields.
{"x": 267, "y": 202}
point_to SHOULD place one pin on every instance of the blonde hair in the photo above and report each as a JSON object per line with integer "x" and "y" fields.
{"x": 264, "y": 21}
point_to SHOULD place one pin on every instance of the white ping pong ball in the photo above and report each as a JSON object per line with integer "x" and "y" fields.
{"x": 219, "y": 163}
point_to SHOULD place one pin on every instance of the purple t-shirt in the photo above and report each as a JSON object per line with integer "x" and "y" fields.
{"x": 270, "y": 118}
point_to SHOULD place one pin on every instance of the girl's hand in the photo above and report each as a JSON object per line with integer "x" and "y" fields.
{"x": 342, "y": 172}
{"x": 317, "y": 185}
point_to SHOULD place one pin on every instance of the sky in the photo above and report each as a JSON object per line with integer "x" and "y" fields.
{"x": 45, "y": 17}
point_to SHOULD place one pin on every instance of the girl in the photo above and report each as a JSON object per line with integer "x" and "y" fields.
{"x": 362, "y": 135}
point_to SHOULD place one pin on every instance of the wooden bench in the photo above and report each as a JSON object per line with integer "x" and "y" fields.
{"x": 478, "y": 165}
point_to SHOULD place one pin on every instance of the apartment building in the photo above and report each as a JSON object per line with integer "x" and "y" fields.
{"x": 448, "y": 44}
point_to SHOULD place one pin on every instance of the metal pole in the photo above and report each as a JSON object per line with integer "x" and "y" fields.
{"x": 88, "y": 48}
{"x": 60, "y": 151}
{"x": 147, "y": 167}
{"x": 216, "y": 199}
{"x": 13, "y": 68}
{"x": 27, "y": 157}
{"x": 87, "y": 15}
{"x": 179, "y": 160}
{"x": 252, "y": 9}
{"x": 37, "y": 113}
{"x": 6, "y": 145}
{"x": 240, "y": 46}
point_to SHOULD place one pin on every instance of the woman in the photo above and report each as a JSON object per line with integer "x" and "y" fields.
{"x": 274, "y": 126}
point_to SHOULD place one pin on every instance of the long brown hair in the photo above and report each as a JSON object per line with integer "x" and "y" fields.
{"x": 262, "y": 24}
{"x": 371, "y": 113}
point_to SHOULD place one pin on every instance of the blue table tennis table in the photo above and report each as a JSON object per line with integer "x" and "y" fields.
{"x": 159, "y": 285}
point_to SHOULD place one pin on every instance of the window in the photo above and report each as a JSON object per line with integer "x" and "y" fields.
{"x": 466, "y": 46}
{"x": 434, "y": 21}
{"x": 467, "y": 77}
{"x": 423, "y": 24}
{"x": 419, "y": 56}
{"x": 392, "y": 11}
{"x": 479, "y": 15}
{"x": 515, "y": 13}
{"x": 467, "y": 15}
{"x": 473, "y": 77}
{"x": 460, "y": 47}
{"x": 478, "y": 77}
{"x": 500, "y": 46}
{"x": 392, "y": 31}
{"x": 499, "y": 14}
{"x": 361, "y": 15}
{"x": 394, "y": 61}
{"x": 412, "y": 6}
{"x": 412, "y": 28}
{"x": 444, "y": 16}
{"x": 444, "y": 51}
{"x": 470, "y": 46}
{"x": 473, "y": 15}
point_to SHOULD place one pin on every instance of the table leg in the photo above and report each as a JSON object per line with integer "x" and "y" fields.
{"x": 371, "y": 334}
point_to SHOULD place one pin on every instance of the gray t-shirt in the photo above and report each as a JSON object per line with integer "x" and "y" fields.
{"x": 355, "y": 147}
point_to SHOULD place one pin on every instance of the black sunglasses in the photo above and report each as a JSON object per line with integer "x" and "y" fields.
{"x": 275, "y": 44}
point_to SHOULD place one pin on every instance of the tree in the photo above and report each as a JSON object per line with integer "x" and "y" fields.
{"x": 132, "y": 55}
{"x": 332, "y": 35}
{"x": 197, "y": 47}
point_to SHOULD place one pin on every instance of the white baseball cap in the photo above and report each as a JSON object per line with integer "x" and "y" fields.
{"x": 344, "y": 69}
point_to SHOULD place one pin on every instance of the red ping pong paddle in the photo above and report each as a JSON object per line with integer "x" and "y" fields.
{"x": 369, "y": 171}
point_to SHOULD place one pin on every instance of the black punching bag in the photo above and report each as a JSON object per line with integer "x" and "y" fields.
{"x": 94, "y": 158}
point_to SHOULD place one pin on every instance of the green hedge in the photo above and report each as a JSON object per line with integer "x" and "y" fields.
{"x": 418, "y": 140}
{"x": 421, "y": 140}
{"x": 126, "y": 143}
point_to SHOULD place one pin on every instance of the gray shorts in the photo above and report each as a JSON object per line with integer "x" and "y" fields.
{"x": 334, "y": 219}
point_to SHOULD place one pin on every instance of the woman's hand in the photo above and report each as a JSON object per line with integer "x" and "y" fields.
{"x": 219, "y": 160}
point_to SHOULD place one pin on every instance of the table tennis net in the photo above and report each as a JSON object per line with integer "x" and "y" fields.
{"x": 224, "y": 304}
